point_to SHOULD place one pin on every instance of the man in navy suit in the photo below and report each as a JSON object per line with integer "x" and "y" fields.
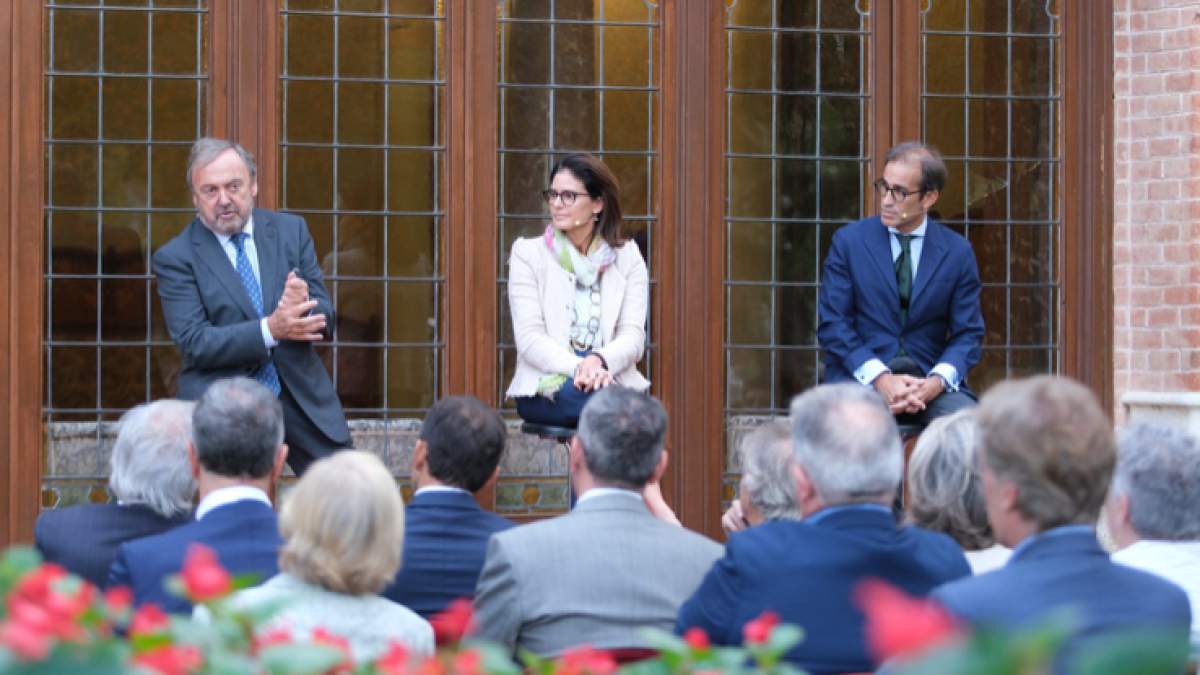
{"x": 899, "y": 301}
{"x": 242, "y": 294}
{"x": 1048, "y": 455}
{"x": 847, "y": 467}
{"x": 236, "y": 454}
{"x": 445, "y": 532}
{"x": 150, "y": 478}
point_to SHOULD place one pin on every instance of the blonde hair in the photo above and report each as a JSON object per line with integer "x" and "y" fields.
{"x": 343, "y": 525}
{"x": 945, "y": 489}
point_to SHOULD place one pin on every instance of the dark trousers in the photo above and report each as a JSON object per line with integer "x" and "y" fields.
{"x": 563, "y": 411}
{"x": 305, "y": 440}
{"x": 947, "y": 403}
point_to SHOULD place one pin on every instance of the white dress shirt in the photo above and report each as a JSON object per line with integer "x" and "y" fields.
{"x": 1175, "y": 561}
{"x": 228, "y": 495}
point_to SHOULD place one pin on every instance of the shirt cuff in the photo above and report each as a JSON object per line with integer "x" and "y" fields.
{"x": 948, "y": 373}
{"x": 268, "y": 340}
{"x": 870, "y": 370}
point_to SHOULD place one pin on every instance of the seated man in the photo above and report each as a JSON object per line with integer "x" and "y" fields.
{"x": 847, "y": 467}
{"x": 608, "y": 568}
{"x": 445, "y": 531}
{"x": 1048, "y": 455}
{"x": 768, "y": 490}
{"x": 236, "y": 454}
{"x": 899, "y": 299}
{"x": 1152, "y": 508}
{"x": 153, "y": 485}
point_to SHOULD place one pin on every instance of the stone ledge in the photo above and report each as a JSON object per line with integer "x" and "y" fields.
{"x": 1177, "y": 409}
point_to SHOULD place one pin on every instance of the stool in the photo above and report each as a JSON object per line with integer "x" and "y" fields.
{"x": 561, "y": 434}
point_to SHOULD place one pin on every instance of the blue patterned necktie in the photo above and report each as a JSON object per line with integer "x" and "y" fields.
{"x": 266, "y": 373}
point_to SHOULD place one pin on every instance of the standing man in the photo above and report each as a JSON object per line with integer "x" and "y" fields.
{"x": 242, "y": 294}
{"x": 899, "y": 301}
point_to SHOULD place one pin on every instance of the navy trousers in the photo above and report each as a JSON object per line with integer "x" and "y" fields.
{"x": 563, "y": 411}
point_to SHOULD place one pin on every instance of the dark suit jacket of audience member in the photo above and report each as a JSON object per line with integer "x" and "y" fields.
{"x": 806, "y": 573}
{"x": 445, "y": 543}
{"x": 1070, "y": 570}
{"x": 84, "y": 539}
{"x": 244, "y": 535}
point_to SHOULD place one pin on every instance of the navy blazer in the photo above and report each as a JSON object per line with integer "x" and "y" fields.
{"x": 859, "y": 302}
{"x": 244, "y": 535}
{"x": 1070, "y": 571}
{"x": 807, "y": 572}
{"x": 84, "y": 539}
{"x": 445, "y": 543}
{"x": 217, "y": 329}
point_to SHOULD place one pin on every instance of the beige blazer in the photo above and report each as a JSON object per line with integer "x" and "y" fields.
{"x": 541, "y": 295}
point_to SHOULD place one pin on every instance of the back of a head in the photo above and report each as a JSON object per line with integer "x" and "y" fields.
{"x": 767, "y": 479}
{"x": 945, "y": 488}
{"x": 149, "y": 461}
{"x": 847, "y": 442}
{"x": 343, "y": 525}
{"x": 622, "y": 433}
{"x": 1049, "y": 437}
{"x": 237, "y": 428}
{"x": 1158, "y": 470}
{"x": 464, "y": 440}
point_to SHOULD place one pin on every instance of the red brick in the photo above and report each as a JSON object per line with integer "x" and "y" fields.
{"x": 1164, "y": 147}
{"x": 1145, "y": 128}
{"x": 1156, "y": 233}
{"x": 1145, "y": 381}
{"x": 1138, "y": 149}
{"x": 1181, "y": 381}
{"x": 1147, "y": 338}
{"x": 1121, "y": 255}
{"x": 1137, "y": 64}
{"x": 1163, "y": 189}
{"x": 1121, "y": 360}
{"x": 1149, "y": 169}
{"x": 1177, "y": 212}
{"x": 1164, "y": 359}
{"x": 1141, "y": 43}
{"x": 1138, "y": 318}
{"x": 1164, "y": 61}
{"x": 1181, "y": 295}
{"x": 1121, "y": 44}
{"x": 1146, "y": 253}
{"x": 1179, "y": 82}
{"x": 1123, "y": 339}
{"x": 1147, "y": 85}
{"x": 1164, "y": 18}
{"x": 1190, "y": 359}
{"x": 1193, "y": 272}
{"x": 1167, "y": 104}
{"x": 1141, "y": 297}
{"x": 1139, "y": 361}
{"x": 1189, "y": 316}
{"x": 1160, "y": 276}
{"x": 1162, "y": 317}
{"x": 1181, "y": 338}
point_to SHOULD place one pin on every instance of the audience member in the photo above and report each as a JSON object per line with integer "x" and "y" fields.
{"x": 343, "y": 525}
{"x": 608, "y": 568}
{"x": 236, "y": 454}
{"x": 847, "y": 468}
{"x": 945, "y": 492}
{"x": 1153, "y": 507}
{"x": 447, "y": 533}
{"x": 1048, "y": 455}
{"x": 768, "y": 491}
{"x": 151, "y": 481}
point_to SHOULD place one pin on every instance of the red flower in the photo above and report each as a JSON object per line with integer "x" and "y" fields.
{"x": 696, "y": 638}
{"x": 324, "y": 637}
{"x": 171, "y": 659}
{"x": 759, "y": 630}
{"x": 277, "y": 636}
{"x": 118, "y": 599}
{"x": 468, "y": 663}
{"x": 394, "y": 661}
{"x": 203, "y": 577}
{"x": 899, "y": 625}
{"x": 25, "y": 641}
{"x": 431, "y": 665}
{"x": 148, "y": 620}
{"x": 453, "y": 623}
{"x": 585, "y": 659}
{"x": 49, "y": 602}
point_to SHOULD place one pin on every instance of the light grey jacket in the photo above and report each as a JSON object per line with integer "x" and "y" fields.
{"x": 541, "y": 295}
{"x": 594, "y": 576}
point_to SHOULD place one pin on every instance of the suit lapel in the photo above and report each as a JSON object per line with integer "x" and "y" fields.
{"x": 932, "y": 254}
{"x": 211, "y": 255}
{"x": 879, "y": 245}
{"x": 264, "y": 240}
{"x": 612, "y": 292}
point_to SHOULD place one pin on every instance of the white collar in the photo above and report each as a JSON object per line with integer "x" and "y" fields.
{"x": 248, "y": 229}
{"x": 597, "y": 492}
{"x": 441, "y": 488}
{"x": 919, "y": 232}
{"x": 228, "y": 495}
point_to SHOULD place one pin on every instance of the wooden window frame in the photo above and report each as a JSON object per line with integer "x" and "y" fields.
{"x": 244, "y": 107}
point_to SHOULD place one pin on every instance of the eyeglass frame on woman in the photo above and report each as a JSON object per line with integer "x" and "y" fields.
{"x": 568, "y": 197}
{"x": 898, "y": 192}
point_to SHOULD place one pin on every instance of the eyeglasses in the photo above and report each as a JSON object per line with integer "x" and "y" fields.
{"x": 898, "y": 193}
{"x": 568, "y": 197}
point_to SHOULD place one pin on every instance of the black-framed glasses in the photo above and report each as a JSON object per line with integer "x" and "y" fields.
{"x": 568, "y": 197}
{"x": 898, "y": 192}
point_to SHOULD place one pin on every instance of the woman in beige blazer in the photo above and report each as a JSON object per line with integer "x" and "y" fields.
{"x": 578, "y": 295}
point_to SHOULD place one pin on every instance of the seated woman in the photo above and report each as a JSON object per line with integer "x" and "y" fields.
{"x": 343, "y": 528}
{"x": 578, "y": 295}
{"x": 945, "y": 491}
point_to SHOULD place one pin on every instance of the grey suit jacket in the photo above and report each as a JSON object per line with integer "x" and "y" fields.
{"x": 594, "y": 576}
{"x": 216, "y": 327}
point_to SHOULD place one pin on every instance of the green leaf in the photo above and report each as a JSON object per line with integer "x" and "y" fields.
{"x": 784, "y": 637}
{"x": 647, "y": 667}
{"x": 534, "y": 663}
{"x": 495, "y": 659}
{"x": 246, "y": 580}
{"x": 664, "y": 642}
{"x": 1141, "y": 652}
{"x": 229, "y": 663}
{"x": 300, "y": 659}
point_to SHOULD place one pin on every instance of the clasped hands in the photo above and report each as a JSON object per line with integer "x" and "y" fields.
{"x": 908, "y": 394}
{"x": 291, "y": 319}
{"x": 591, "y": 374}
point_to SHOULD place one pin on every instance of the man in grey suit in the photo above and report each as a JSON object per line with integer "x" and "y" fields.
{"x": 242, "y": 294}
{"x": 608, "y": 568}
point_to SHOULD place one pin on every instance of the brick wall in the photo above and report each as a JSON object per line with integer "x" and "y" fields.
{"x": 1157, "y": 219}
